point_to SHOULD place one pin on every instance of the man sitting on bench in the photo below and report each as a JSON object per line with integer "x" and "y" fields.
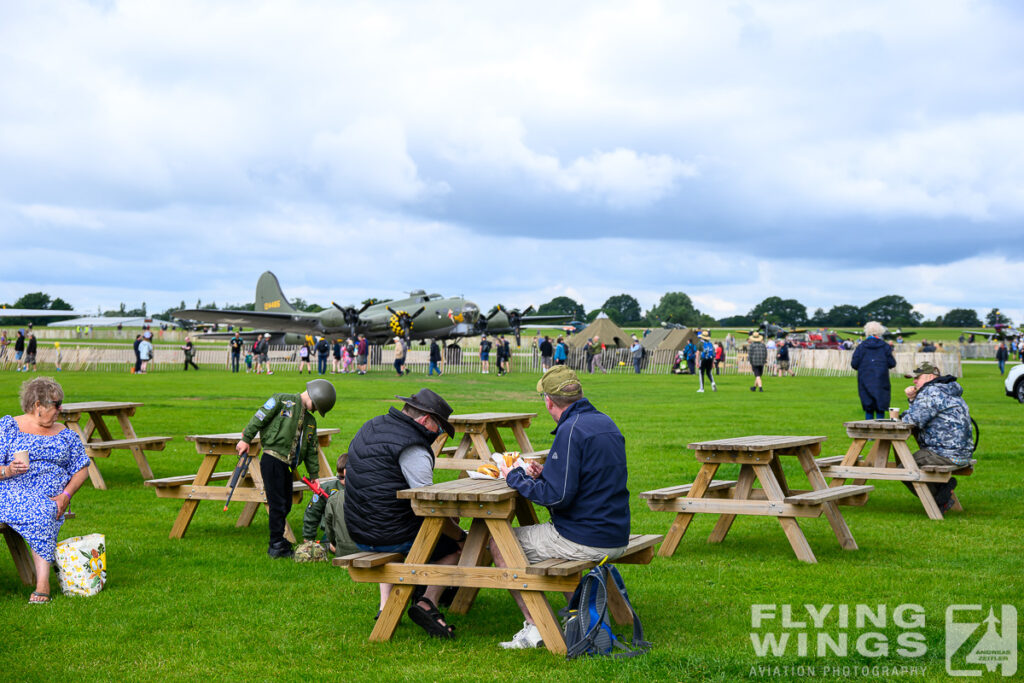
{"x": 942, "y": 425}
{"x": 582, "y": 483}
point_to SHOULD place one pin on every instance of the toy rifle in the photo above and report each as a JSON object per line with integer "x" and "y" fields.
{"x": 315, "y": 487}
{"x": 240, "y": 471}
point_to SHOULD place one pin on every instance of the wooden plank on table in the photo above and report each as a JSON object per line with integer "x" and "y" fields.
{"x": 728, "y": 506}
{"x": 735, "y": 457}
{"x": 682, "y": 521}
{"x": 503, "y": 510}
{"x": 742, "y": 492}
{"x": 885, "y": 473}
{"x": 760, "y": 442}
{"x": 671, "y": 492}
{"x": 835, "y": 493}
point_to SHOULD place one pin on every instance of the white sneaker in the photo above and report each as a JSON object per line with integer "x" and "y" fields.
{"x": 714, "y": 387}
{"x": 527, "y": 638}
{"x": 700, "y": 391}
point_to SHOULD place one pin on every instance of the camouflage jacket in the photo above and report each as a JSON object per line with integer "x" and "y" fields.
{"x": 942, "y": 419}
{"x": 329, "y": 514}
{"x": 287, "y": 432}
{"x": 312, "y": 518}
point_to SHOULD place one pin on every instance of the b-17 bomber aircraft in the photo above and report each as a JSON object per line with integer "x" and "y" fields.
{"x": 420, "y": 316}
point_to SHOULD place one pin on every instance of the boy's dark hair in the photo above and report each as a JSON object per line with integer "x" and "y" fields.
{"x": 342, "y": 463}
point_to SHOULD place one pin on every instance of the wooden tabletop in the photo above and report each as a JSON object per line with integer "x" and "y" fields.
{"x": 234, "y": 437}
{"x": 756, "y": 443}
{"x": 481, "y": 418}
{"x": 471, "y": 490}
{"x": 97, "y": 407}
{"x": 879, "y": 425}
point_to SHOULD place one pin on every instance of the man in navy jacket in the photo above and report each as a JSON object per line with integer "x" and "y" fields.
{"x": 582, "y": 483}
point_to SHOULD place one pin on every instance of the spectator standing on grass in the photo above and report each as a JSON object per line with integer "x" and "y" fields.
{"x": 561, "y": 351}
{"x": 1002, "y": 355}
{"x": 872, "y": 360}
{"x": 236, "y": 351}
{"x": 690, "y": 356}
{"x": 138, "y": 356}
{"x": 435, "y": 359}
{"x": 30, "y": 352}
{"x": 719, "y": 356}
{"x": 264, "y": 355}
{"x": 707, "y": 361}
{"x": 190, "y": 352}
{"x": 19, "y": 350}
{"x": 782, "y": 360}
{"x": 757, "y": 354}
{"x": 485, "y": 354}
{"x": 636, "y": 352}
{"x": 501, "y": 350}
{"x": 4, "y": 342}
{"x": 400, "y": 351}
{"x": 304, "y": 358}
{"x": 362, "y": 353}
{"x": 547, "y": 352}
{"x": 145, "y": 354}
{"x": 323, "y": 350}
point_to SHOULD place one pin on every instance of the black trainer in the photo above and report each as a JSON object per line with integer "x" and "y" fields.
{"x": 279, "y": 551}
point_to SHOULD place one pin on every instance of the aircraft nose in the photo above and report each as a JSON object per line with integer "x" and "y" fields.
{"x": 470, "y": 312}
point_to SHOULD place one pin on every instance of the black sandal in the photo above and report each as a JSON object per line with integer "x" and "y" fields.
{"x": 430, "y": 620}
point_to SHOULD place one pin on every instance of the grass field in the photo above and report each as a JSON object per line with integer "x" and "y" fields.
{"x": 212, "y": 605}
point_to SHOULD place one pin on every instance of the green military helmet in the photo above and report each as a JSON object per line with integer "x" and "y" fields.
{"x": 308, "y": 551}
{"x": 322, "y": 393}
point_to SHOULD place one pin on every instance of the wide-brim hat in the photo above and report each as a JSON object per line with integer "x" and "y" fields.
{"x": 756, "y": 337}
{"x": 705, "y": 335}
{"x": 430, "y": 402}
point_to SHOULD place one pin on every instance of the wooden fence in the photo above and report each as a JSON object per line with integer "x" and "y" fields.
{"x": 459, "y": 360}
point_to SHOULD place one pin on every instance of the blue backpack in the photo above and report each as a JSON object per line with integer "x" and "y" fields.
{"x": 587, "y": 628}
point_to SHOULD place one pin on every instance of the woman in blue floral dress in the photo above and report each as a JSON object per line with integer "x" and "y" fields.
{"x": 33, "y": 497}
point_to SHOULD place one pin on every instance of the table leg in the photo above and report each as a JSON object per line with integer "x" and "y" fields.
{"x": 438, "y": 444}
{"x": 140, "y": 456}
{"x": 682, "y": 520}
{"x": 475, "y": 553}
{"x": 100, "y": 426}
{"x": 188, "y": 508}
{"x": 420, "y": 552}
{"x": 835, "y": 518}
{"x": 525, "y": 512}
{"x": 496, "y": 440}
{"x": 789, "y": 525}
{"x": 248, "y": 513}
{"x": 536, "y": 603}
{"x": 480, "y": 447}
{"x": 923, "y": 491}
{"x": 95, "y": 478}
{"x": 521, "y": 438}
{"x": 780, "y": 476}
{"x": 743, "y": 486}
{"x": 462, "y": 450}
{"x": 21, "y": 555}
{"x": 850, "y": 459}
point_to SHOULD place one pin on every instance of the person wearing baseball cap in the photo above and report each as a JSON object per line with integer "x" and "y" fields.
{"x": 390, "y": 453}
{"x": 942, "y": 423}
{"x": 582, "y": 483}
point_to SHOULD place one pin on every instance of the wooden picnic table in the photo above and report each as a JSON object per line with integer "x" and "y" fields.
{"x": 758, "y": 457}
{"x": 95, "y": 426}
{"x": 885, "y": 436}
{"x": 491, "y": 505}
{"x": 194, "y": 488}
{"x": 477, "y": 430}
{"x": 21, "y": 554}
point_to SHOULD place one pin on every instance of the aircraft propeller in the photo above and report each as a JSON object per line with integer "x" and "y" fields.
{"x": 515, "y": 319}
{"x": 401, "y": 321}
{"x": 352, "y": 315}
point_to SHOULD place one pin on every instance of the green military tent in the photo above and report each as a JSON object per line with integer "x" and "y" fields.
{"x": 611, "y": 335}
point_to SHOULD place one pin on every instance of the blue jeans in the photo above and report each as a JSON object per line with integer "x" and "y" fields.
{"x": 433, "y": 368}
{"x": 321, "y": 364}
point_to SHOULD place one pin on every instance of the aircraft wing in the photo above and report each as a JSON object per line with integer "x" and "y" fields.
{"x": 263, "y": 320}
{"x": 988, "y": 334}
{"x": 537, "y": 319}
{"x": 38, "y": 313}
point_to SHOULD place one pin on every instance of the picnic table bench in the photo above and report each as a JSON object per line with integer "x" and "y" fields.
{"x": 758, "y": 457}
{"x": 480, "y": 438}
{"x": 21, "y": 554}
{"x": 885, "y": 437}
{"x": 491, "y": 505}
{"x": 71, "y": 415}
{"x": 193, "y": 488}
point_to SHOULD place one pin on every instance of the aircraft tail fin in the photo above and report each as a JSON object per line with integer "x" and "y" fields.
{"x": 269, "y": 297}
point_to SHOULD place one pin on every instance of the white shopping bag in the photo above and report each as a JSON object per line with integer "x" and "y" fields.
{"x": 82, "y": 564}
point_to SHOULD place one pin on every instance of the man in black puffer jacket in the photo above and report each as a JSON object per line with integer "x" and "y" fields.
{"x": 390, "y": 453}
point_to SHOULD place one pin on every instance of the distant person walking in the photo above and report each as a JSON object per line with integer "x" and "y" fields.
{"x": 719, "y": 356}
{"x": 30, "y": 352}
{"x": 4, "y": 342}
{"x": 707, "y": 361}
{"x": 872, "y": 360}
{"x": 690, "y": 356}
{"x": 19, "y": 350}
{"x": 138, "y": 358}
{"x": 485, "y": 354}
{"x": 145, "y": 355}
{"x": 304, "y": 358}
{"x": 263, "y": 355}
{"x": 636, "y": 351}
{"x": 782, "y": 360}
{"x": 190, "y": 353}
{"x": 596, "y": 352}
{"x": 1002, "y": 355}
{"x": 400, "y": 351}
{"x": 323, "y": 350}
{"x": 501, "y": 351}
{"x": 547, "y": 352}
{"x": 435, "y": 359}
{"x": 757, "y": 354}
{"x": 362, "y": 353}
{"x": 236, "y": 345}
{"x": 561, "y": 351}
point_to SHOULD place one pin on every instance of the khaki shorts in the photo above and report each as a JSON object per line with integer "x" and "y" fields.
{"x": 542, "y": 542}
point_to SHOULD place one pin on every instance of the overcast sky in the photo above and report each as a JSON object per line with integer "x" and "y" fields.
{"x": 831, "y": 152}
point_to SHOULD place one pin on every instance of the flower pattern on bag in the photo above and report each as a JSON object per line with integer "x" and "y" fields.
{"x": 82, "y": 564}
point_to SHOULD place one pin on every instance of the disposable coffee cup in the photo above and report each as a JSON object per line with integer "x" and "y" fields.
{"x": 21, "y": 456}
{"x": 538, "y": 458}
{"x": 894, "y": 413}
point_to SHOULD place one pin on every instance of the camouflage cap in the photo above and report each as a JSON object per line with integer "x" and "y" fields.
{"x": 309, "y": 551}
{"x": 924, "y": 368}
{"x": 555, "y": 381}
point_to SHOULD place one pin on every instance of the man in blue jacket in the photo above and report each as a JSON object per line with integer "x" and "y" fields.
{"x": 582, "y": 484}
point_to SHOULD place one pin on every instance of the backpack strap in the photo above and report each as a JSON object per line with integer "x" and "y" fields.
{"x": 638, "y": 629}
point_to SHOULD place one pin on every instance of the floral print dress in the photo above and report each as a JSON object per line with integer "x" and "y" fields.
{"x": 25, "y": 503}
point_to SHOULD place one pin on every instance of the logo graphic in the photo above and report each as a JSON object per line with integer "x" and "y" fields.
{"x": 987, "y": 642}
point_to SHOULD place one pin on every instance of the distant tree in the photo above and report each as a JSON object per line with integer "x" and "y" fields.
{"x": 961, "y": 317}
{"x": 843, "y": 315}
{"x": 562, "y": 305}
{"x": 622, "y": 309}
{"x": 735, "y": 321}
{"x": 592, "y": 316}
{"x": 59, "y": 304}
{"x": 305, "y": 306}
{"x": 892, "y": 311}
{"x": 677, "y": 307}
{"x": 994, "y": 317}
{"x": 33, "y": 300}
{"x": 785, "y": 312}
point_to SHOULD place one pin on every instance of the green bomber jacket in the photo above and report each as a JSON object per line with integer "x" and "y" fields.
{"x": 285, "y": 426}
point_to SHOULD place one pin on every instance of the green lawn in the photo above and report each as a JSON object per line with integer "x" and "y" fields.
{"x": 213, "y": 605}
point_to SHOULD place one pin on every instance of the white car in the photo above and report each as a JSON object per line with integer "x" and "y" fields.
{"x": 1015, "y": 382}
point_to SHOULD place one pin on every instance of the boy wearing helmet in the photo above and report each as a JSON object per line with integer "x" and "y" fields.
{"x": 287, "y": 429}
